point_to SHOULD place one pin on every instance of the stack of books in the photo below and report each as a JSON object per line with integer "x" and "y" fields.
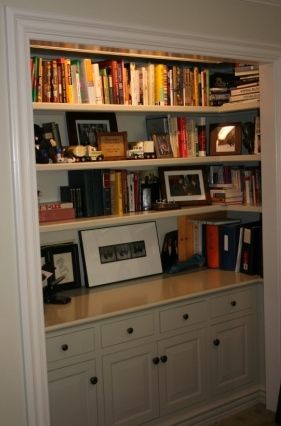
{"x": 247, "y": 83}
{"x": 226, "y": 196}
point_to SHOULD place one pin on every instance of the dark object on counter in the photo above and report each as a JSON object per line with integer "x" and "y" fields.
{"x": 49, "y": 290}
{"x": 195, "y": 261}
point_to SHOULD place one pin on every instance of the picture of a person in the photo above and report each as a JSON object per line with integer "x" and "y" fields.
{"x": 63, "y": 267}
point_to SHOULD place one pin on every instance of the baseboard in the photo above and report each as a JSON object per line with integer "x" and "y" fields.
{"x": 210, "y": 412}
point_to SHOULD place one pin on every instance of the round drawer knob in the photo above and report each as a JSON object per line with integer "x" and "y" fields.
{"x": 185, "y": 316}
{"x": 164, "y": 358}
{"x": 94, "y": 380}
{"x": 130, "y": 330}
{"x": 156, "y": 360}
{"x": 64, "y": 347}
{"x": 233, "y": 303}
{"x": 216, "y": 342}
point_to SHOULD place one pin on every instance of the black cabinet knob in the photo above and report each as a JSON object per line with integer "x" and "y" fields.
{"x": 130, "y": 330}
{"x": 156, "y": 360}
{"x": 185, "y": 316}
{"x": 64, "y": 347}
{"x": 164, "y": 358}
{"x": 216, "y": 342}
{"x": 233, "y": 303}
{"x": 94, "y": 380}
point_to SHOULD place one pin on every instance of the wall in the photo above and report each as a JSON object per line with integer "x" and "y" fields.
{"x": 193, "y": 17}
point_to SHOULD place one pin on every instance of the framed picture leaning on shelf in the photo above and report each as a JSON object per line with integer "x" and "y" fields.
{"x": 113, "y": 145}
{"x": 225, "y": 139}
{"x": 120, "y": 253}
{"x": 63, "y": 259}
{"x": 185, "y": 185}
{"x": 83, "y": 127}
{"x": 162, "y": 145}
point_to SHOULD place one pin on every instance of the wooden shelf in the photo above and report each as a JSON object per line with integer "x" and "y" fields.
{"x": 136, "y": 164}
{"x": 229, "y": 107}
{"x": 111, "y": 220}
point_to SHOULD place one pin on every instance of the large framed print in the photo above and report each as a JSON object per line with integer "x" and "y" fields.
{"x": 120, "y": 253}
{"x": 184, "y": 185}
{"x": 83, "y": 127}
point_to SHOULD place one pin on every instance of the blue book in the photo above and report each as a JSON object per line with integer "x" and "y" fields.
{"x": 228, "y": 245}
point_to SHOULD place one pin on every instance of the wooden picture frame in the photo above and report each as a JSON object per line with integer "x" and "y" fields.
{"x": 185, "y": 185}
{"x": 162, "y": 145}
{"x": 65, "y": 261}
{"x": 225, "y": 139}
{"x": 83, "y": 127}
{"x": 113, "y": 145}
{"x": 120, "y": 253}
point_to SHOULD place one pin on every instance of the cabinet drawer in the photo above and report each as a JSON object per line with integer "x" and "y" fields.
{"x": 182, "y": 316}
{"x": 69, "y": 345}
{"x": 127, "y": 330}
{"x": 232, "y": 302}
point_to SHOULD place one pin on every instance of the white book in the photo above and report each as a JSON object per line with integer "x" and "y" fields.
{"x": 98, "y": 92}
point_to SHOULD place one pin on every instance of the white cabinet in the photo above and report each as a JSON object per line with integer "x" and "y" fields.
{"x": 130, "y": 386}
{"x": 182, "y": 373}
{"x": 233, "y": 341}
{"x": 74, "y": 382}
{"x": 73, "y": 395}
{"x": 158, "y": 364}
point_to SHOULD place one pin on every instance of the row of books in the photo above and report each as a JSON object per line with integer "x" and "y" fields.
{"x": 229, "y": 244}
{"x": 116, "y": 81}
{"x": 235, "y": 184}
{"x": 105, "y": 192}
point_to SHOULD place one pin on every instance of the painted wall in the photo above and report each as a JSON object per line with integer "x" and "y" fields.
{"x": 234, "y": 19}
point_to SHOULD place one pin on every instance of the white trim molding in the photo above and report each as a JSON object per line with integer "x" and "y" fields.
{"x": 21, "y": 28}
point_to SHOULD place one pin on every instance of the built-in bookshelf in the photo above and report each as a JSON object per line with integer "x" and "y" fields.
{"x": 132, "y": 113}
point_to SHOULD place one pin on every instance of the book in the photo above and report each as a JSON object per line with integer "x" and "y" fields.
{"x": 251, "y": 251}
{"x": 212, "y": 235}
{"x": 245, "y": 97}
{"x": 72, "y": 194}
{"x": 52, "y": 215}
{"x": 54, "y": 205}
{"x": 95, "y": 191}
{"x": 245, "y": 90}
{"x": 229, "y": 235}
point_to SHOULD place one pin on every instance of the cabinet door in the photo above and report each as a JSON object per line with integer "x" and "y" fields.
{"x": 182, "y": 371}
{"x": 130, "y": 386}
{"x": 233, "y": 354}
{"x": 73, "y": 395}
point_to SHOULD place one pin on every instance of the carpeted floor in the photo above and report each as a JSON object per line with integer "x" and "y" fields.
{"x": 255, "y": 416}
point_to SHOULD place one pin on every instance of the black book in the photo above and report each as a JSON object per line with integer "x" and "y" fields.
{"x": 95, "y": 191}
{"x": 251, "y": 254}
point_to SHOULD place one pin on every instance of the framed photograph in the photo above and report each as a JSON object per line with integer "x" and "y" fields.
{"x": 113, "y": 145}
{"x": 83, "y": 127}
{"x": 120, "y": 253}
{"x": 162, "y": 145}
{"x": 64, "y": 259}
{"x": 225, "y": 139}
{"x": 185, "y": 186}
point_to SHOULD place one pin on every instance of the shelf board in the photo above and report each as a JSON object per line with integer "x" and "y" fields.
{"x": 158, "y": 162}
{"x": 229, "y": 107}
{"x": 102, "y": 221}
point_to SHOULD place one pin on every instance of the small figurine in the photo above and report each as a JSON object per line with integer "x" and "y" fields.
{"x": 45, "y": 149}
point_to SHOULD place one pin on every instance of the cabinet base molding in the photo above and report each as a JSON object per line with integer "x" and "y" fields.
{"x": 209, "y": 413}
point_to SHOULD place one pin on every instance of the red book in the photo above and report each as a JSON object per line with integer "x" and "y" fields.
{"x": 182, "y": 140}
{"x": 212, "y": 246}
{"x": 56, "y": 214}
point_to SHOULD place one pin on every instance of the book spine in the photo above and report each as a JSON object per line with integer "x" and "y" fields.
{"x": 54, "y": 205}
{"x": 182, "y": 142}
{"x": 212, "y": 246}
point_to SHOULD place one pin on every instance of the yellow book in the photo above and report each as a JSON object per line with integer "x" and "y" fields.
{"x": 68, "y": 81}
{"x": 159, "y": 84}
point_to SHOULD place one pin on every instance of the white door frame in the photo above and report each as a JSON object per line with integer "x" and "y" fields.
{"x": 23, "y": 26}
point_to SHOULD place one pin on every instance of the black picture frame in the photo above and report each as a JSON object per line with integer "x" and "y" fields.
{"x": 64, "y": 259}
{"x": 230, "y": 141}
{"x": 184, "y": 185}
{"x": 80, "y": 124}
